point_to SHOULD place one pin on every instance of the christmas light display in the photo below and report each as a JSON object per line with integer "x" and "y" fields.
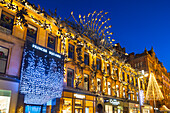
{"x": 41, "y": 74}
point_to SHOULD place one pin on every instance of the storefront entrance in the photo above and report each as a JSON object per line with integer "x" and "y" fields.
{"x": 77, "y": 103}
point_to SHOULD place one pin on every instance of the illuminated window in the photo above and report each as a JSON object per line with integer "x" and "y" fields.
{"x": 108, "y": 69}
{"x": 129, "y": 96}
{"x": 109, "y": 88}
{"x": 86, "y": 82}
{"x": 31, "y": 33}
{"x": 78, "y": 106}
{"x": 99, "y": 85}
{"x": 67, "y": 105}
{"x": 98, "y": 62}
{"x": 117, "y": 90}
{"x": 71, "y": 51}
{"x": 70, "y": 77}
{"x": 32, "y": 109}
{"x": 137, "y": 96}
{"x": 5, "y": 96}
{"x": 7, "y": 20}
{"x": 51, "y": 42}
{"x": 89, "y": 107}
{"x": 86, "y": 58}
{"x": 124, "y": 94}
{"x": 133, "y": 96}
{"x": 3, "y": 59}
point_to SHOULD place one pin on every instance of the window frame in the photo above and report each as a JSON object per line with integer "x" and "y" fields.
{"x": 71, "y": 52}
{"x": 98, "y": 66}
{"x": 72, "y": 79}
{"x": 30, "y": 36}
{"x": 87, "y": 82}
{"x": 6, "y": 59}
{"x": 55, "y": 41}
{"x": 86, "y": 53}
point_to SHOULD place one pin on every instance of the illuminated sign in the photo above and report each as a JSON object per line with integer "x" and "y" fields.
{"x": 79, "y": 96}
{"x": 114, "y": 102}
{"x": 41, "y": 74}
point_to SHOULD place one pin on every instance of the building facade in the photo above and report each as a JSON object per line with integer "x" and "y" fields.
{"x": 149, "y": 62}
{"x": 92, "y": 74}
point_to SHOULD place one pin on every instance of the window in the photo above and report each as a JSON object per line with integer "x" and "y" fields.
{"x": 86, "y": 82}
{"x": 98, "y": 62}
{"x": 135, "y": 66}
{"x": 108, "y": 69}
{"x": 133, "y": 96}
{"x": 124, "y": 94}
{"x": 129, "y": 96}
{"x": 70, "y": 77}
{"x": 51, "y": 42}
{"x": 132, "y": 81}
{"x": 136, "y": 82}
{"x": 109, "y": 88}
{"x": 7, "y": 20}
{"x": 31, "y": 33}
{"x": 141, "y": 84}
{"x": 117, "y": 73}
{"x": 71, "y": 51}
{"x": 99, "y": 85}
{"x": 117, "y": 90}
{"x": 3, "y": 59}
{"x": 5, "y": 96}
{"x": 137, "y": 96}
{"x": 128, "y": 78}
{"x": 141, "y": 64}
{"x": 123, "y": 76}
{"x": 86, "y": 58}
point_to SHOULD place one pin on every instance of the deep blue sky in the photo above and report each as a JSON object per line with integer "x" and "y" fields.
{"x": 136, "y": 24}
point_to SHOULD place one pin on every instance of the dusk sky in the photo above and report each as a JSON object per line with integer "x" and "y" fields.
{"x": 136, "y": 24}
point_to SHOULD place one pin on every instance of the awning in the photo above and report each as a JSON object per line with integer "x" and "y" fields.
{"x": 164, "y": 108}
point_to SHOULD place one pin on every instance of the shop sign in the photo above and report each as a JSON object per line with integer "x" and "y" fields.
{"x": 79, "y": 96}
{"x": 141, "y": 97}
{"x": 114, "y": 102}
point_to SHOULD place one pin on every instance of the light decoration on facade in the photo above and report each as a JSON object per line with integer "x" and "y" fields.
{"x": 41, "y": 75}
{"x": 141, "y": 97}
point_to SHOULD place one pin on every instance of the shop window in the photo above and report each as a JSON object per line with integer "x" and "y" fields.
{"x": 89, "y": 107}
{"x": 7, "y": 20}
{"x": 51, "y": 42}
{"x": 3, "y": 59}
{"x": 86, "y": 82}
{"x": 31, "y": 33}
{"x": 123, "y": 76}
{"x": 32, "y": 109}
{"x": 71, "y": 51}
{"x": 117, "y": 90}
{"x": 109, "y": 88}
{"x": 78, "y": 106}
{"x": 70, "y": 77}
{"x": 124, "y": 94}
{"x": 108, "y": 69}
{"x": 67, "y": 105}
{"x": 108, "y": 109}
{"x": 86, "y": 58}
{"x": 5, "y": 96}
{"x": 99, "y": 85}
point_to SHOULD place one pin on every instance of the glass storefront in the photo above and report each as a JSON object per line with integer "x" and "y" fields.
{"x": 5, "y": 96}
{"x": 77, "y": 103}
